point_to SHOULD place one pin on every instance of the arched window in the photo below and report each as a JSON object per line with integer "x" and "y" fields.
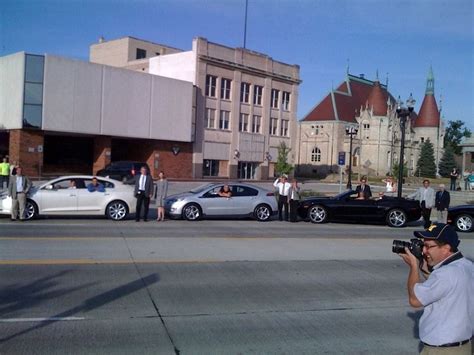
{"x": 315, "y": 155}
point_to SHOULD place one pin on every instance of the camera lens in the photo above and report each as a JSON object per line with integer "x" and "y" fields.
{"x": 398, "y": 246}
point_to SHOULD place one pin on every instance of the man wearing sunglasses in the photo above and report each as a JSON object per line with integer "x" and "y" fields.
{"x": 447, "y": 295}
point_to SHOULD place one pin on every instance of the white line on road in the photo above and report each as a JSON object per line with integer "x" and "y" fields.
{"x": 43, "y": 319}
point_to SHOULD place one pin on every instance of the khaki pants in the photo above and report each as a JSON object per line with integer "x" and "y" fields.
{"x": 442, "y": 216}
{"x": 458, "y": 350}
{"x": 20, "y": 200}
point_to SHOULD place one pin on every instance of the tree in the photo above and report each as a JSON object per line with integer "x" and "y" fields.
{"x": 426, "y": 166}
{"x": 447, "y": 162}
{"x": 282, "y": 166}
{"x": 396, "y": 170}
{"x": 455, "y": 132}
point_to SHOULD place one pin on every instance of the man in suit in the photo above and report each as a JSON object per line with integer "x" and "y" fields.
{"x": 426, "y": 196}
{"x": 363, "y": 189}
{"x": 143, "y": 193}
{"x": 442, "y": 201}
{"x": 18, "y": 187}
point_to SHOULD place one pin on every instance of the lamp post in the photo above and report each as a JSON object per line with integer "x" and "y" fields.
{"x": 351, "y": 131}
{"x": 403, "y": 113}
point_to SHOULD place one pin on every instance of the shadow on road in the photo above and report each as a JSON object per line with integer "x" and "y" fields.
{"x": 93, "y": 303}
{"x": 17, "y": 297}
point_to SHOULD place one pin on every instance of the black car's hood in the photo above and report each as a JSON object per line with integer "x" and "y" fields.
{"x": 462, "y": 207}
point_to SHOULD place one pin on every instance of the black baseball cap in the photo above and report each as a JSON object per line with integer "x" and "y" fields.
{"x": 441, "y": 232}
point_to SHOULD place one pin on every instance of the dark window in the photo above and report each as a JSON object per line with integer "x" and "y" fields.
{"x": 243, "y": 191}
{"x": 33, "y": 91}
{"x": 210, "y": 168}
{"x": 141, "y": 53}
{"x": 34, "y": 68}
{"x": 32, "y": 116}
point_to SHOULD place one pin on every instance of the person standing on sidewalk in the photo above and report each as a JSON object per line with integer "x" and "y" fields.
{"x": 18, "y": 188}
{"x": 442, "y": 201}
{"x": 453, "y": 177}
{"x": 294, "y": 196}
{"x": 161, "y": 193}
{"x": 4, "y": 173}
{"x": 283, "y": 189}
{"x": 426, "y": 196}
{"x": 143, "y": 193}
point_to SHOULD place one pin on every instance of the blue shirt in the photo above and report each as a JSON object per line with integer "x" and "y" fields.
{"x": 19, "y": 184}
{"x": 448, "y": 300}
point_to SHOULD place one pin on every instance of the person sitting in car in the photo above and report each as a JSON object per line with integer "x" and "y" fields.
{"x": 225, "y": 191}
{"x": 95, "y": 186}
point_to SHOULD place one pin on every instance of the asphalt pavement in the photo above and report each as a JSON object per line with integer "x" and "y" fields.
{"x": 94, "y": 286}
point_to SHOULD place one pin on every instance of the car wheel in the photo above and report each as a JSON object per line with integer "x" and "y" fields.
{"x": 396, "y": 218}
{"x": 116, "y": 210}
{"x": 31, "y": 210}
{"x": 463, "y": 223}
{"x": 318, "y": 214}
{"x": 262, "y": 212}
{"x": 192, "y": 212}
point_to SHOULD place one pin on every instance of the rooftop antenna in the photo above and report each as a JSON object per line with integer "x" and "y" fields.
{"x": 245, "y": 23}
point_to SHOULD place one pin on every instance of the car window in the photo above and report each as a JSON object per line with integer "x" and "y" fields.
{"x": 214, "y": 192}
{"x": 62, "y": 184}
{"x": 243, "y": 191}
{"x": 107, "y": 184}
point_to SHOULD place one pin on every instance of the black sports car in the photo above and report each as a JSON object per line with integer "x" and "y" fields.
{"x": 395, "y": 212}
{"x": 461, "y": 217}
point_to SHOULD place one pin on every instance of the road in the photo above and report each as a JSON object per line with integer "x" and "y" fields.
{"x": 93, "y": 286}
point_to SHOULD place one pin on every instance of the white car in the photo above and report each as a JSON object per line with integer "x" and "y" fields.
{"x": 205, "y": 202}
{"x": 58, "y": 197}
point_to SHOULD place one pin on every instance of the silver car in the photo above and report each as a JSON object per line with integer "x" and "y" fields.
{"x": 205, "y": 201}
{"x": 68, "y": 196}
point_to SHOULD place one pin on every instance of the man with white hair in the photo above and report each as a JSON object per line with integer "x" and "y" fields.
{"x": 442, "y": 201}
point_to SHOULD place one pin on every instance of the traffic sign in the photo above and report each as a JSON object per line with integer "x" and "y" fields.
{"x": 341, "y": 160}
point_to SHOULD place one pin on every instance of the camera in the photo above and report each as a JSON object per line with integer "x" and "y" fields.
{"x": 414, "y": 245}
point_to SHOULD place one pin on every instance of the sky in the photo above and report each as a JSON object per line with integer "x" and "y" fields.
{"x": 398, "y": 38}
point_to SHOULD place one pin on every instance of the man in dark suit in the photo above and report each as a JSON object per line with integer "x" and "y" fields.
{"x": 143, "y": 192}
{"x": 442, "y": 200}
{"x": 363, "y": 190}
{"x": 18, "y": 188}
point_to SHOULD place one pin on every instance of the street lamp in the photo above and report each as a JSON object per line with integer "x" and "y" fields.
{"x": 351, "y": 131}
{"x": 403, "y": 113}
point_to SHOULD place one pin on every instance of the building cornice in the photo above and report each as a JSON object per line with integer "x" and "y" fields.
{"x": 244, "y": 68}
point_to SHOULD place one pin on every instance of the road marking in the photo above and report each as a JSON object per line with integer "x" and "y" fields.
{"x": 99, "y": 261}
{"x": 44, "y": 319}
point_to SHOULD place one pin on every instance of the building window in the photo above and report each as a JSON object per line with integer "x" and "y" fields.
{"x": 210, "y": 118}
{"x": 225, "y": 88}
{"x": 245, "y": 92}
{"x": 211, "y": 83}
{"x": 275, "y": 94}
{"x": 141, "y": 53}
{"x": 33, "y": 91}
{"x": 422, "y": 139}
{"x": 210, "y": 167}
{"x": 366, "y": 125}
{"x": 284, "y": 128}
{"x": 285, "y": 101}
{"x": 316, "y": 155}
{"x": 273, "y": 126}
{"x": 244, "y": 122}
{"x": 257, "y": 122}
{"x": 257, "y": 95}
{"x": 224, "y": 120}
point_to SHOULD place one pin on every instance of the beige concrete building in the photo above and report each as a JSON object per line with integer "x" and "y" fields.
{"x": 127, "y": 52}
{"x": 368, "y": 106}
{"x": 246, "y": 106}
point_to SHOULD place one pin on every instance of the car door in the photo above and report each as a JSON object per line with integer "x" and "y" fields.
{"x": 57, "y": 198}
{"x": 214, "y": 205}
{"x": 92, "y": 202}
{"x": 245, "y": 199}
{"x": 360, "y": 210}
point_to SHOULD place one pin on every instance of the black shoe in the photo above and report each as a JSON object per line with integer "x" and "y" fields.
{"x": 137, "y": 220}
{"x": 13, "y": 219}
{"x": 145, "y": 220}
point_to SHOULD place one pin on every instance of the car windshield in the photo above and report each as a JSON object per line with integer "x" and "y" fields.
{"x": 200, "y": 188}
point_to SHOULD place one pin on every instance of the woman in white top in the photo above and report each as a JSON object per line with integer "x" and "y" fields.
{"x": 390, "y": 187}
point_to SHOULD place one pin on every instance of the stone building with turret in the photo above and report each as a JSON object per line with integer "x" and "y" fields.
{"x": 368, "y": 106}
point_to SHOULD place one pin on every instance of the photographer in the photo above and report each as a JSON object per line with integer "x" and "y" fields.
{"x": 447, "y": 295}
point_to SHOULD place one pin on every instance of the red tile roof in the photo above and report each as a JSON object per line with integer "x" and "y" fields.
{"x": 429, "y": 113}
{"x": 349, "y": 102}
